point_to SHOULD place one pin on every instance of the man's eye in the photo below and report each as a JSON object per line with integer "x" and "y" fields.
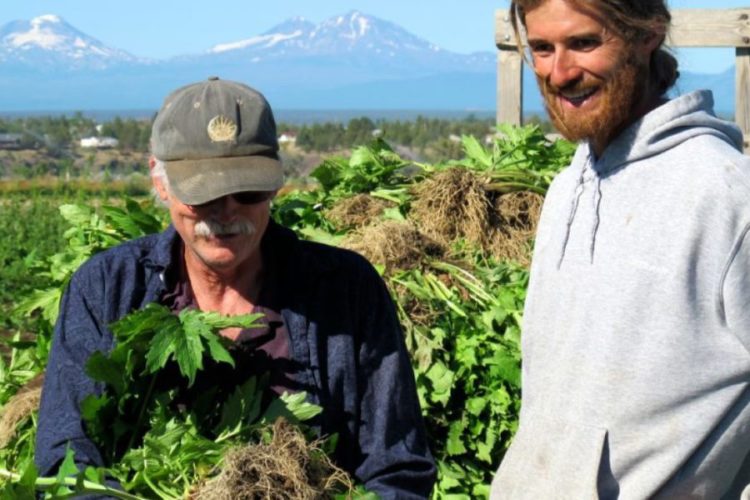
{"x": 585, "y": 44}
{"x": 541, "y": 48}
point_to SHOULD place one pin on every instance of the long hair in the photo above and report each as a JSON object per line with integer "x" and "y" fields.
{"x": 633, "y": 20}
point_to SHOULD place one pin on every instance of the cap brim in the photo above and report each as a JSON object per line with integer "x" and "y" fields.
{"x": 194, "y": 182}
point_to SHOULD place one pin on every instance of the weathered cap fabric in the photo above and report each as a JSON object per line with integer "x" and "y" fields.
{"x": 217, "y": 137}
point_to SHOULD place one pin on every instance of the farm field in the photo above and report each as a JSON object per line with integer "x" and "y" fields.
{"x": 452, "y": 241}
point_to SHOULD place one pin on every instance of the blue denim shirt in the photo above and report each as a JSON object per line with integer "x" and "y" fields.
{"x": 344, "y": 334}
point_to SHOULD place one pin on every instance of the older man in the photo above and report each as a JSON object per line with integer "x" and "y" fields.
{"x": 636, "y": 342}
{"x": 332, "y": 332}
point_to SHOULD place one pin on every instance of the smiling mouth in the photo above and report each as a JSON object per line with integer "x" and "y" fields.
{"x": 579, "y": 97}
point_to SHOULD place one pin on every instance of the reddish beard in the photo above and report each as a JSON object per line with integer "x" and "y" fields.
{"x": 617, "y": 100}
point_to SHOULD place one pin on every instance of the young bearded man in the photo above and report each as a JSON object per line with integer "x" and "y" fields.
{"x": 636, "y": 368}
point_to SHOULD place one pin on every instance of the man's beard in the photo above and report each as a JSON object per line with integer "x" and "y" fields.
{"x": 617, "y": 97}
{"x": 210, "y": 228}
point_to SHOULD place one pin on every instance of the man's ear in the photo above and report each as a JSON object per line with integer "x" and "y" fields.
{"x": 158, "y": 182}
{"x": 651, "y": 43}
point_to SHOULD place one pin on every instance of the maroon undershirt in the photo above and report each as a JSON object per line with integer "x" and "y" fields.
{"x": 272, "y": 338}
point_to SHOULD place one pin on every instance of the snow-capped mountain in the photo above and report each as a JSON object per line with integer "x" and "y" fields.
{"x": 48, "y": 42}
{"x": 345, "y": 33}
{"x": 351, "y": 61}
{"x": 355, "y": 38}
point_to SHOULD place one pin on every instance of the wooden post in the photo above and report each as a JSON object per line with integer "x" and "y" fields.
{"x": 509, "y": 86}
{"x": 742, "y": 87}
{"x": 509, "y": 72}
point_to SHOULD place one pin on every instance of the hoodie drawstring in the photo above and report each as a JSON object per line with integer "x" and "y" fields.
{"x": 571, "y": 217}
{"x": 597, "y": 198}
{"x": 595, "y": 225}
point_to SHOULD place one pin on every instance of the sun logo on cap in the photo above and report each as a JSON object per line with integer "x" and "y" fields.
{"x": 221, "y": 129}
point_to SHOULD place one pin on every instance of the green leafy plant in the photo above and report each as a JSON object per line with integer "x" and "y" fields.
{"x": 90, "y": 232}
{"x": 523, "y": 158}
{"x": 461, "y": 318}
{"x": 25, "y": 356}
{"x": 467, "y": 365}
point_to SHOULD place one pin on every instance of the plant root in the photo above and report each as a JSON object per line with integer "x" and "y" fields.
{"x": 514, "y": 224}
{"x": 288, "y": 467}
{"x": 357, "y": 211}
{"x": 19, "y": 408}
{"x": 453, "y": 204}
{"x": 393, "y": 244}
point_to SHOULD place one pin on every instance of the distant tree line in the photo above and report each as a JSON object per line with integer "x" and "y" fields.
{"x": 432, "y": 138}
{"x": 52, "y": 132}
{"x": 421, "y": 133}
{"x": 133, "y": 135}
{"x": 56, "y": 133}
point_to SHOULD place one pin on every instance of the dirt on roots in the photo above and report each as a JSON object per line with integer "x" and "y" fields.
{"x": 453, "y": 204}
{"x": 357, "y": 211}
{"x": 19, "y": 407}
{"x": 514, "y": 222}
{"x": 288, "y": 467}
{"x": 393, "y": 244}
{"x": 456, "y": 204}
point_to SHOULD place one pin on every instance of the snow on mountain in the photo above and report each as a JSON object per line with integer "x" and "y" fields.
{"x": 294, "y": 29}
{"x": 50, "y": 41}
{"x": 352, "y": 59}
{"x": 359, "y": 31}
{"x": 348, "y": 47}
{"x": 345, "y": 33}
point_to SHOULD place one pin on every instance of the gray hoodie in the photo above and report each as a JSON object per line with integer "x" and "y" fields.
{"x": 636, "y": 342}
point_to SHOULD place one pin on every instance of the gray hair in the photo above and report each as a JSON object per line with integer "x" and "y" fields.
{"x": 159, "y": 171}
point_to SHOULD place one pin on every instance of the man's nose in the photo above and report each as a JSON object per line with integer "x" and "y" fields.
{"x": 223, "y": 208}
{"x": 565, "y": 69}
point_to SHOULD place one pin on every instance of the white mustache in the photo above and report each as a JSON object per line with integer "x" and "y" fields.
{"x": 208, "y": 228}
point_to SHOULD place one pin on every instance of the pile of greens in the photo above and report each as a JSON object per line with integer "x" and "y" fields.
{"x": 460, "y": 314}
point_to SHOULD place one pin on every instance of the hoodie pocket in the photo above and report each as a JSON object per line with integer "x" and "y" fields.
{"x": 551, "y": 459}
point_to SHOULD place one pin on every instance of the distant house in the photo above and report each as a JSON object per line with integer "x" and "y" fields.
{"x": 287, "y": 138}
{"x": 99, "y": 142}
{"x": 10, "y": 141}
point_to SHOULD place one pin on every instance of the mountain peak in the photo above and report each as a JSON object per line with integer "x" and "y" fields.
{"x": 47, "y": 18}
{"x": 41, "y": 32}
{"x": 359, "y": 22}
{"x": 353, "y": 33}
{"x": 49, "y": 38}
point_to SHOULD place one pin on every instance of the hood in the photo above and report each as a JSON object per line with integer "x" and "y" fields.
{"x": 665, "y": 127}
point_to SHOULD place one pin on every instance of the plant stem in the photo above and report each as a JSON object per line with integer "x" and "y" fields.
{"x": 142, "y": 413}
{"x": 507, "y": 187}
{"x": 46, "y": 483}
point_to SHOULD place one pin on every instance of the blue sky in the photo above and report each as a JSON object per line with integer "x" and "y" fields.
{"x": 165, "y": 28}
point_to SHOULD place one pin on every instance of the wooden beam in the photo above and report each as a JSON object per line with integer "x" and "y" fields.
{"x": 742, "y": 91}
{"x": 509, "y": 86}
{"x": 710, "y": 28}
{"x": 690, "y": 28}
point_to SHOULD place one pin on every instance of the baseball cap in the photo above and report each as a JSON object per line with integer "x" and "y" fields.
{"x": 216, "y": 137}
